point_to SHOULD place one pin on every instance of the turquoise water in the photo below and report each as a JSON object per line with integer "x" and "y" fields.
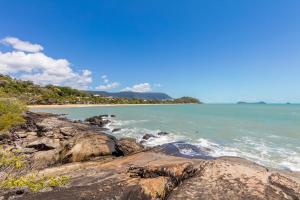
{"x": 266, "y": 134}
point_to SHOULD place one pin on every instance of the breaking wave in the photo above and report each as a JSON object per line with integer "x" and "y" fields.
{"x": 251, "y": 148}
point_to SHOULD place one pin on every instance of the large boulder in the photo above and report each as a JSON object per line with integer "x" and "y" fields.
{"x": 43, "y": 159}
{"x": 89, "y": 145}
{"x": 100, "y": 120}
{"x": 129, "y": 146}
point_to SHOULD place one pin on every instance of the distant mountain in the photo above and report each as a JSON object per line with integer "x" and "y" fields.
{"x": 134, "y": 95}
{"x": 243, "y": 102}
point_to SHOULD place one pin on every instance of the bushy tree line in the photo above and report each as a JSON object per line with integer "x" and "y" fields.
{"x": 33, "y": 94}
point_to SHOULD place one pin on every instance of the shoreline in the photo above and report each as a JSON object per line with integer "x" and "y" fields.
{"x": 163, "y": 169}
{"x": 94, "y": 105}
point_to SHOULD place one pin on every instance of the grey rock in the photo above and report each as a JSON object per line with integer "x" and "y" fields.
{"x": 148, "y": 136}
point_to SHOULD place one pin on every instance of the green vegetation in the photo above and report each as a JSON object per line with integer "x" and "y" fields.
{"x": 34, "y": 182}
{"x": 11, "y": 113}
{"x": 10, "y": 160}
{"x": 187, "y": 100}
{"x": 14, "y": 168}
{"x": 33, "y": 94}
{"x": 15, "y": 174}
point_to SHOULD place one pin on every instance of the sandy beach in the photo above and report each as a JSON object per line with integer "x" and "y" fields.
{"x": 90, "y": 105}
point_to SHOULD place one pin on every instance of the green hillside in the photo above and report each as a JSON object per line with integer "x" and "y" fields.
{"x": 33, "y": 94}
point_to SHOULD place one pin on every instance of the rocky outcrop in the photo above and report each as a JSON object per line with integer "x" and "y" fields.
{"x": 100, "y": 120}
{"x": 49, "y": 139}
{"x": 129, "y": 146}
{"x": 89, "y": 145}
{"x": 122, "y": 169}
{"x": 150, "y": 175}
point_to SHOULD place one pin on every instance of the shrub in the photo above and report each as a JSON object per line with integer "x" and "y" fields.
{"x": 15, "y": 173}
{"x": 10, "y": 160}
{"x": 11, "y": 113}
{"x": 33, "y": 182}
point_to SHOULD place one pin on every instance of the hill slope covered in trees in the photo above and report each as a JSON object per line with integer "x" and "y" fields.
{"x": 32, "y": 94}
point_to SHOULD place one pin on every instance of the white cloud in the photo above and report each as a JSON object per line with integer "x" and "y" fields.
{"x": 105, "y": 79}
{"x": 108, "y": 86}
{"x": 22, "y": 45}
{"x": 30, "y": 64}
{"x": 142, "y": 87}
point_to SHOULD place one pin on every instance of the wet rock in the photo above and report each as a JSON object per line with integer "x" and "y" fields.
{"x": 116, "y": 130}
{"x": 185, "y": 150}
{"x": 129, "y": 146}
{"x": 162, "y": 133}
{"x": 147, "y": 136}
{"x": 112, "y": 115}
{"x": 100, "y": 120}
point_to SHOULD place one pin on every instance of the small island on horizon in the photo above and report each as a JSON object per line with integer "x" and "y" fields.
{"x": 244, "y": 102}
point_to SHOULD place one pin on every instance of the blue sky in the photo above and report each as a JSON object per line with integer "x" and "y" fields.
{"x": 218, "y": 51}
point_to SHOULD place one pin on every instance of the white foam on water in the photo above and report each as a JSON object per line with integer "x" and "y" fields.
{"x": 138, "y": 133}
{"x": 215, "y": 149}
{"x": 254, "y": 149}
{"x": 121, "y": 123}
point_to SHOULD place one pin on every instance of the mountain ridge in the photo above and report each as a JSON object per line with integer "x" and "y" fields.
{"x": 134, "y": 95}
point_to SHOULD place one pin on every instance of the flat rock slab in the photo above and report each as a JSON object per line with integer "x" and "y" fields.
{"x": 154, "y": 175}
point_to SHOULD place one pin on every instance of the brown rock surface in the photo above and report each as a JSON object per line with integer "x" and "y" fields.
{"x": 50, "y": 139}
{"x": 129, "y": 146}
{"x": 89, "y": 145}
{"x": 152, "y": 175}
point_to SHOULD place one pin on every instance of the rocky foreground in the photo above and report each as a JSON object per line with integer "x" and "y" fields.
{"x": 103, "y": 167}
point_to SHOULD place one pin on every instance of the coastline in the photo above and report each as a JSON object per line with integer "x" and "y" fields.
{"x": 126, "y": 168}
{"x": 93, "y": 105}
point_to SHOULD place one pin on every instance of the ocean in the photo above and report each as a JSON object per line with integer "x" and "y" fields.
{"x": 266, "y": 134}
